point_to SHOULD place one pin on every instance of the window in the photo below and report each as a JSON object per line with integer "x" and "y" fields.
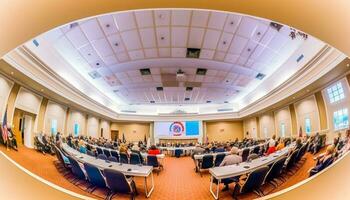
{"x": 307, "y": 126}
{"x": 283, "y": 130}
{"x": 265, "y": 132}
{"x": 341, "y": 119}
{"x": 53, "y": 127}
{"x": 76, "y": 129}
{"x": 335, "y": 93}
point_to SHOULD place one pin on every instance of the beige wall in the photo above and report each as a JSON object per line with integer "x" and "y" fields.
{"x": 307, "y": 108}
{"x": 106, "y": 128}
{"x": 93, "y": 127}
{"x": 132, "y": 131}
{"x": 55, "y": 111}
{"x": 283, "y": 116}
{"x": 28, "y": 101}
{"x": 224, "y": 131}
{"x": 251, "y": 126}
{"x": 5, "y": 88}
{"x": 267, "y": 125}
{"x": 79, "y": 118}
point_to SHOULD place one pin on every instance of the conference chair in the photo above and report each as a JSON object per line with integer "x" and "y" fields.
{"x": 112, "y": 159}
{"x": 219, "y": 158}
{"x": 99, "y": 150}
{"x": 152, "y": 160}
{"x": 135, "y": 159}
{"x": 253, "y": 182}
{"x": 102, "y": 156}
{"x": 245, "y": 154}
{"x": 94, "y": 176}
{"x": 256, "y": 150}
{"x": 252, "y": 157}
{"x": 77, "y": 171}
{"x": 207, "y": 162}
{"x": 290, "y": 163}
{"x": 123, "y": 158}
{"x": 178, "y": 153}
{"x": 90, "y": 153}
{"x": 118, "y": 183}
{"x": 115, "y": 154}
{"x": 300, "y": 154}
{"x": 107, "y": 152}
{"x": 321, "y": 166}
{"x": 63, "y": 160}
{"x": 275, "y": 172}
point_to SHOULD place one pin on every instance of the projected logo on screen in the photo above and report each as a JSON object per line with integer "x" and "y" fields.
{"x": 177, "y": 129}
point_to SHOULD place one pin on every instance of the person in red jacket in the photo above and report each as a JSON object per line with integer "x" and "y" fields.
{"x": 153, "y": 150}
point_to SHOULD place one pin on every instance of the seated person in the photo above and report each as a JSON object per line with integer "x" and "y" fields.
{"x": 323, "y": 161}
{"x": 12, "y": 139}
{"x": 280, "y": 144}
{"x": 220, "y": 149}
{"x": 298, "y": 144}
{"x": 153, "y": 150}
{"x": 198, "y": 150}
{"x": 271, "y": 145}
{"x": 123, "y": 149}
{"x": 231, "y": 159}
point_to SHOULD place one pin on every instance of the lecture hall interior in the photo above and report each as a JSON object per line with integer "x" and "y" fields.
{"x": 174, "y": 100}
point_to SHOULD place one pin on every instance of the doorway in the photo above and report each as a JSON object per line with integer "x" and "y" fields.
{"x": 23, "y": 126}
{"x": 114, "y": 135}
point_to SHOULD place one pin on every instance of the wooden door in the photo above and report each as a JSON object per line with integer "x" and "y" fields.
{"x": 114, "y": 135}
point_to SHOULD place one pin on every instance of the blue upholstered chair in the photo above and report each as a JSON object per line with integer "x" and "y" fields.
{"x": 219, "y": 158}
{"x": 253, "y": 182}
{"x": 118, "y": 183}
{"x": 99, "y": 150}
{"x": 102, "y": 156}
{"x": 207, "y": 162}
{"x": 123, "y": 158}
{"x": 76, "y": 170}
{"x": 94, "y": 176}
{"x": 115, "y": 154}
{"x": 135, "y": 159}
{"x": 107, "y": 152}
{"x": 245, "y": 154}
{"x": 112, "y": 159}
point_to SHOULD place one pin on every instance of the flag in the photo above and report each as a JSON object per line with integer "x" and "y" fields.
{"x": 4, "y": 127}
{"x": 301, "y": 132}
{"x": 124, "y": 138}
{"x": 145, "y": 139}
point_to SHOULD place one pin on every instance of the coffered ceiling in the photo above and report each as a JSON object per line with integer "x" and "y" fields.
{"x": 187, "y": 56}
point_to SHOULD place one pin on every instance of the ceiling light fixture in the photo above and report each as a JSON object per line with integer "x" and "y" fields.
{"x": 107, "y": 25}
{"x": 116, "y": 44}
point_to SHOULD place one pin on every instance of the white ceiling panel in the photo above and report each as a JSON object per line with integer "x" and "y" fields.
{"x": 163, "y": 36}
{"x": 196, "y": 37}
{"x": 231, "y": 58}
{"x": 136, "y": 55}
{"x": 207, "y": 54}
{"x": 131, "y": 39}
{"x": 144, "y": 18}
{"x": 178, "y": 52}
{"x": 92, "y": 29}
{"x": 247, "y": 27}
{"x": 148, "y": 37}
{"x": 238, "y": 44}
{"x": 232, "y": 23}
{"x": 123, "y": 57}
{"x": 77, "y": 37}
{"x": 179, "y": 36}
{"x": 164, "y": 52}
{"x": 107, "y": 24}
{"x": 225, "y": 41}
{"x": 116, "y": 43}
{"x": 200, "y": 18}
{"x": 219, "y": 56}
{"x": 110, "y": 60}
{"x": 180, "y": 17}
{"x": 125, "y": 21}
{"x": 162, "y": 17}
{"x": 211, "y": 39}
{"x": 102, "y": 47}
{"x": 89, "y": 53}
{"x": 151, "y": 53}
{"x": 217, "y": 20}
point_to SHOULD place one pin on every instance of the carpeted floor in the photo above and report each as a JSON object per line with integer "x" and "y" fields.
{"x": 178, "y": 180}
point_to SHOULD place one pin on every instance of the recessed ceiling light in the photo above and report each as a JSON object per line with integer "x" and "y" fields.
{"x": 162, "y": 38}
{"x": 258, "y": 33}
{"x": 107, "y": 25}
{"x": 187, "y": 99}
{"x": 224, "y": 42}
{"x": 89, "y": 54}
{"x": 116, "y": 44}
{"x": 248, "y": 49}
{"x": 115, "y": 91}
{"x": 231, "y": 23}
{"x": 208, "y": 101}
{"x": 97, "y": 64}
{"x": 152, "y": 101}
{"x": 225, "y": 101}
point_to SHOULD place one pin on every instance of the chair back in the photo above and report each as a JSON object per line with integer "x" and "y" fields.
{"x": 245, "y": 154}
{"x": 256, "y": 150}
{"x": 178, "y": 153}
{"x": 152, "y": 160}
{"x": 107, "y": 152}
{"x": 102, "y": 156}
{"x": 116, "y": 181}
{"x": 112, "y": 159}
{"x": 291, "y": 160}
{"x": 123, "y": 158}
{"x": 76, "y": 169}
{"x": 82, "y": 149}
{"x": 59, "y": 155}
{"x": 207, "y": 162}
{"x": 255, "y": 179}
{"x": 219, "y": 158}
{"x": 94, "y": 175}
{"x": 99, "y": 150}
{"x": 90, "y": 153}
{"x": 135, "y": 159}
{"x": 115, "y": 154}
{"x": 301, "y": 153}
{"x": 275, "y": 170}
{"x": 252, "y": 156}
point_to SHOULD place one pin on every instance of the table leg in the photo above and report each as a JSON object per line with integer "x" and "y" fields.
{"x": 216, "y": 196}
{"x": 148, "y": 193}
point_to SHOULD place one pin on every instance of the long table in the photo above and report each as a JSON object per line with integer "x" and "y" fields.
{"x": 126, "y": 169}
{"x": 229, "y": 171}
{"x": 184, "y": 149}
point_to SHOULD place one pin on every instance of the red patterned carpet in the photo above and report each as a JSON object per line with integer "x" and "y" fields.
{"x": 178, "y": 180}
